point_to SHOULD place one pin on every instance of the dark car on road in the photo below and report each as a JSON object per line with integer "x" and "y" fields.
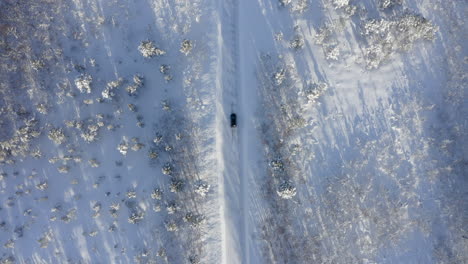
{"x": 233, "y": 120}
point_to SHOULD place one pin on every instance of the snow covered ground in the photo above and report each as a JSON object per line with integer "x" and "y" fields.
{"x": 115, "y": 144}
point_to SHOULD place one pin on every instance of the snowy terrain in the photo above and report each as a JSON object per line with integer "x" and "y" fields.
{"x": 115, "y": 143}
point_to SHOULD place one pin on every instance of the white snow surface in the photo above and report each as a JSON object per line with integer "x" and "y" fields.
{"x": 350, "y": 145}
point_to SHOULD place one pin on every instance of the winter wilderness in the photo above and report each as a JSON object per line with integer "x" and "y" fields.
{"x": 234, "y": 131}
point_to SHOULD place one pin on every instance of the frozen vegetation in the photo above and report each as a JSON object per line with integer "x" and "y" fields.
{"x": 116, "y": 144}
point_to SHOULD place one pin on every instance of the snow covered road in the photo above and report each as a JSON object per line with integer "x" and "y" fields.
{"x": 115, "y": 144}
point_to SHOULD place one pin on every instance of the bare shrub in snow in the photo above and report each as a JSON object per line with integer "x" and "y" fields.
{"x": 83, "y": 83}
{"x": 186, "y": 47}
{"x": 57, "y": 136}
{"x": 286, "y": 190}
{"x": 285, "y": 2}
{"x": 148, "y": 49}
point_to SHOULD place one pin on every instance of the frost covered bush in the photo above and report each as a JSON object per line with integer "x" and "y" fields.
{"x": 340, "y": 3}
{"x": 148, "y": 49}
{"x": 186, "y": 47}
{"x": 57, "y": 136}
{"x": 83, "y": 83}
{"x": 286, "y": 190}
{"x": 387, "y": 37}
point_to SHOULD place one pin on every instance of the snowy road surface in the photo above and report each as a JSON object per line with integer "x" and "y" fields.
{"x": 115, "y": 144}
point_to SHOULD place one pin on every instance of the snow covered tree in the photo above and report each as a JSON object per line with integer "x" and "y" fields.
{"x": 83, "y": 83}
{"x": 148, "y": 49}
{"x": 167, "y": 169}
{"x": 202, "y": 188}
{"x": 176, "y": 185}
{"x": 186, "y": 47}
{"x": 384, "y": 4}
{"x": 297, "y": 42}
{"x": 57, "y": 136}
{"x": 286, "y": 190}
